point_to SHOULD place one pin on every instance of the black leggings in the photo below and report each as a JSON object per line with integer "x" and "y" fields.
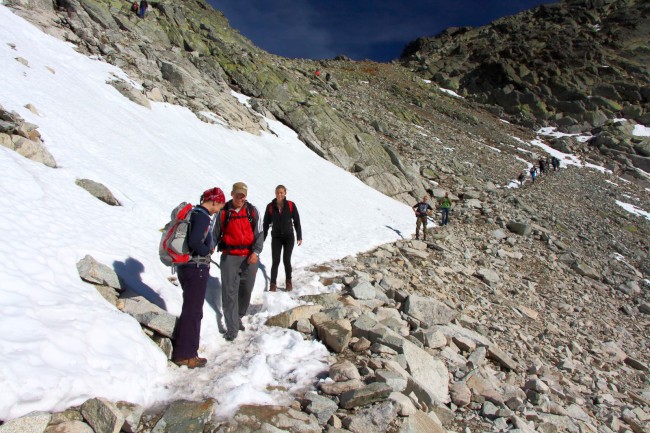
{"x": 277, "y": 244}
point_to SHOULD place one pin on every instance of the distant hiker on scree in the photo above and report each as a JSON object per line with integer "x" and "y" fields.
{"x": 193, "y": 277}
{"x": 556, "y": 163}
{"x": 143, "y": 8}
{"x": 238, "y": 229}
{"x": 283, "y": 216}
{"x": 422, "y": 211}
{"x": 445, "y": 206}
{"x": 533, "y": 173}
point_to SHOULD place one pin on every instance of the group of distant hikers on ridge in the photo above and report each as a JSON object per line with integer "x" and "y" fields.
{"x": 236, "y": 230}
{"x": 545, "y": 165}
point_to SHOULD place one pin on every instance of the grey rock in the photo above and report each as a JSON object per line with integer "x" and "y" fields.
{"x": 255, "y": 418}
{"x": 326, "y": 300}
{"x": 489, "y": 276}
{"x": 430, "y": 374}
{"x": 288, "y": 319}
{"x": 496, "y": 354}
{"x": 34, "y": 422}
{"x": 585, "y": 270}
{"x": 335, "y": 334}
{"x": 460, "y": 394}
{"x": 92, "y": 271}
{"x": 396, "y": 381}
{"x": 644, "y": 308}
{"x": 98, "y": 191}
{"x": 428, "y": 310}
{"x": 477, "y": 357}
{"x": 520, "y": 228}
{"x": 72, "y": 426}
{"x": 321, "y": 407}
{"x": 431, "y": 338}
{"x": 361, "y": 344}
{"x": 576, "y": 412}
{"x": 363, "y": 290}
{"x": 343, "y": 371}
{"x": 150, "y": 315}
{"x": 366, "y": 395}
{"x": 375, "y": 419}
{"x": 165, "y": 345}
{"x": 464, "y": 344}
{"x": 402, "y": 404}
{"x": 420, "y": 422}
{"x": 338, "y": 388}
{"x": 304, "y": 326}
{"x": 536, "y": 385}
{"x": 102, "y": 415}
{"x": 30, "y": 149}
{"x": 636, "y": 364}
{"x": 185, "y": 417}
{"x": 131, "y": 93}
{"x": 489, "y": 410}
{"x": 389, "y": 282}
{"x": 132, "y": 414}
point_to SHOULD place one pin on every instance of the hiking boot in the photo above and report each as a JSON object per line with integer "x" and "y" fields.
{"x": 230, "y": 337}
{"x": 273, "y": 287}
{"x": 289, "y": 286}
{"x": 191, "y": 362}
{"x": 241, "y": 326}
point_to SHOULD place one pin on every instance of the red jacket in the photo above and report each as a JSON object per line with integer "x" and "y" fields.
{"x": 241, "y": 236}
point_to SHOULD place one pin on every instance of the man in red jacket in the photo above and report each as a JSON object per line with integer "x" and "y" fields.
{"x": 239, "y": 230}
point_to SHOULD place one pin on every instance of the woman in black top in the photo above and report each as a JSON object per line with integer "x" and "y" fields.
{"x": 283, "y": 215}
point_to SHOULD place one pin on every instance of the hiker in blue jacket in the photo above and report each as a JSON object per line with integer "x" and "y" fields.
{"x": 283, "y": 215}
{"x": 193, "y": 277}
{"x": 143, "y": 8}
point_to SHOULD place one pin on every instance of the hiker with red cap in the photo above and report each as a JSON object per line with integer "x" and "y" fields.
{"x": 283, "y": 216}
{"x": 238, "y": 229}
{"x": 193, "y": 277}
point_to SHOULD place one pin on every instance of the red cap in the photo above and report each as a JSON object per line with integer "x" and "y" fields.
{"x": 213, "y": 194}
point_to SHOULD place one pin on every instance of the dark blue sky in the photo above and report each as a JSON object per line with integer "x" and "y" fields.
{"x": 376, "y": 30}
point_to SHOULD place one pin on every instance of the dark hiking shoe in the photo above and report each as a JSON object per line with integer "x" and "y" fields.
{"x": 191, "y": 362}
{"x": 289, "y": 286}
{"x": 273, "y": 287}
{"x": 241, "y": 327}
{"x": 230, "y": 337}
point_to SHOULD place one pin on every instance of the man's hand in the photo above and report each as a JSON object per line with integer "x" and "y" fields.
{"x": 300, "y": 242}
{"x": 252, "y": 259}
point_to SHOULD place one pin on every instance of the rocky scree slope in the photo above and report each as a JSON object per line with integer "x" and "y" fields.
{"x": 574, "y": 64}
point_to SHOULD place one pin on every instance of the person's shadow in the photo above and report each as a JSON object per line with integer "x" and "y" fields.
{"x": 262, "y": 268}
{"x": 213, "y": 298}
{"x": 130, "y": 274}
{"x": 399, "y": 233}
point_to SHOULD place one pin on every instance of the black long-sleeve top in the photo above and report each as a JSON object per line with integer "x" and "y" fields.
{"x": 283, "y": 222}
{"x": 200, "y": 236}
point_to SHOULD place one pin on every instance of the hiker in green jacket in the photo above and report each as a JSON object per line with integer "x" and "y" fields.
{"x": 445, "y": 205}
